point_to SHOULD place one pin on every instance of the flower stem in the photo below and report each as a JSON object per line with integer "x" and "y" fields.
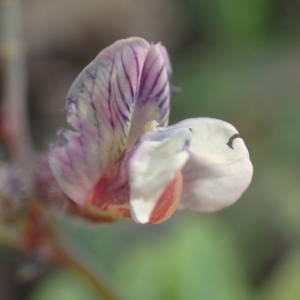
{"x": 16, "y": 135}
{"x": 42, "y": 236}
{"x": 76, "y": 265}
{"x": 14, "y": 120}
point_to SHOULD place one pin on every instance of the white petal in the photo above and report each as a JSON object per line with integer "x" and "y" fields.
{"x": 157, "y": 158}
{"x": 219, "y": 169}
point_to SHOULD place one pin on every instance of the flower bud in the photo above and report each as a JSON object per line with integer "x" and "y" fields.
{"x": 13, "y": 193}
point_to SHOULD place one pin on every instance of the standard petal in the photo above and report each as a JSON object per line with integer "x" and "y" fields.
{"x": 154, "y": 90}
{"x": 108, "y": 106}
{"x": 99, "y": 107}
{"x": 153, "y": 102}
{"x": 219, "y": 169}
{"x": 154, "y": 164}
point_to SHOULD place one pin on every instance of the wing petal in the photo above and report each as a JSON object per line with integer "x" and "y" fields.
{"x": 157, "y": 158}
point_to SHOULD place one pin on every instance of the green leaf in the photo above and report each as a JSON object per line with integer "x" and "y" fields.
{"x": 63, "y": 286}
{"x": 198, "y": 260}
{"x": 284, "y": 283}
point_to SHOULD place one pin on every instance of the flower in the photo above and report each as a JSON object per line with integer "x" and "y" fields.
{"x": 121, "y": 160}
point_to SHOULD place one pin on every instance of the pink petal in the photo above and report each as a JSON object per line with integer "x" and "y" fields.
{"x": 108, "y": 105}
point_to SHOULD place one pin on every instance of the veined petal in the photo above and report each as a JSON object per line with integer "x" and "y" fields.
{"x": 156, "y": 160}
{"x": 99, "y": 107}
{"x": 112, "y": 99}
{"x": 154, "y": 88}
{"x": 153, "y": 102}
{"x": 219, "y": 169}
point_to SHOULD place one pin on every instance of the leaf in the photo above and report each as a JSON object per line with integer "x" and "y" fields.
{"x": 63, "y": 286}
{"x": 284, "y": 284}
{"x": 198, "y": 260}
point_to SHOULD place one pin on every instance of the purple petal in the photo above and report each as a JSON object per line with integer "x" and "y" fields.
{"x": 153, "y": 102}
{"x": 155, "y": 88}
{"x": 108, "y": 106}
{"x": 99, "y": 107}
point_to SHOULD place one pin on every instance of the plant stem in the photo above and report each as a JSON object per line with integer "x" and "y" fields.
{"x": 41, "y": 233}
{"x": 100, "y": 285}
{"x": 9, "y": 238}
{"x": 18, "y": 141}
{"x": 14, "y": 117}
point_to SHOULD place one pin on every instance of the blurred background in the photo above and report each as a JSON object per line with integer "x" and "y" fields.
{"x": 238, "y": 60}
